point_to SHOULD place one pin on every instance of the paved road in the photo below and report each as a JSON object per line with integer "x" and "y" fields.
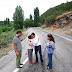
{"x": 62, "y": 59}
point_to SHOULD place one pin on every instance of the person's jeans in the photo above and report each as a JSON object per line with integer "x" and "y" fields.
{"x": 30, "y": 51}
{"x": 38, "y": 48}
{"x": 50, "y": 60}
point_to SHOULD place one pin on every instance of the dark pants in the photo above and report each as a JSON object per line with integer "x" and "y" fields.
{"x": 50, "y": 60}
{"x": 38, "y": 48}
{"x": 30, "y": 51}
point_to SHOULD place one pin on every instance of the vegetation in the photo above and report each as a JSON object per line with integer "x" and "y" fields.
{"x": 30, "y": 17}
{"x": 36, "y": 16}
{"x": 50, "y": 15}
{"x": 33, "y": 23}
{"x": 6, "y": 38}
{"x": 18, "y": 18}
{"x": 28, "y": 23}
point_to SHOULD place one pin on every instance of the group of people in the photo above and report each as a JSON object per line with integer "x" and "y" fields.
{"x": 33, "y": 43}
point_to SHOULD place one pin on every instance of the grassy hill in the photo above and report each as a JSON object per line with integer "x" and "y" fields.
{"x": 50, "y": 15}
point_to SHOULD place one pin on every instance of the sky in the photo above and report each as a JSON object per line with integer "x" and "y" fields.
{"x": 7, "y": 7}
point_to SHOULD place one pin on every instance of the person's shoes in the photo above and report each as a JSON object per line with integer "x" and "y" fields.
{"x": 19, "y": 67}
{"x": 47, "y": 67}
{"x": 21, "y": 64}
{"x": 35, "y": 62}
{"x": 31, "y": 63}
{"x": 41, "y": 63}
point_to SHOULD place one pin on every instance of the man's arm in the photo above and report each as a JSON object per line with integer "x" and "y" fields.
{"x": 16, "y": 49}
{"x": 22, "y": 38}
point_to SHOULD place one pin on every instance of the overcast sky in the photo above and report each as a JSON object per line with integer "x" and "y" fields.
{"x": 7, "y": 7}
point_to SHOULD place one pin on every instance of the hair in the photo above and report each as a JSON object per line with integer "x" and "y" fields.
{"x": 33, "y": 34}
{"x": 51, "y": 37}
{"x": 29, "y": 37}
{"x": 18, "y": 32}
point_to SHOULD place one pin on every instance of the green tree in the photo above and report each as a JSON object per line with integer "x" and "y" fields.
{"x": 28, "y": 23}
{"x": 18, "y": 18}
{"x": 30, "y": 17}
{"x": 36, "y": 16}
{"x": 8, "y": 21}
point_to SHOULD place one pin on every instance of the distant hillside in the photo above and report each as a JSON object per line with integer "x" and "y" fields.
{"x": 49, "y": 17}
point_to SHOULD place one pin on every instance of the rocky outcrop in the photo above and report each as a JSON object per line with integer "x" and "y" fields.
{"x": 63, "y": 19}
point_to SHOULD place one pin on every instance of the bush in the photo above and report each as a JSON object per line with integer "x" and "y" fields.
{"x": 39, "y": 24}
{"x": 28, "y": 23}
{"x": 6, "y": 38}
{"x": 4, "y": 28}
{"x": 9, "y": 28}
{"x": 1, "y": 29}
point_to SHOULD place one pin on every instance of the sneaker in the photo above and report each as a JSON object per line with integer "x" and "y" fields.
{"x": 47, "y": 68}
{"x": 31, "y": 63}
{"x": 19, "y": 67}
{"x": 21, "y": 64}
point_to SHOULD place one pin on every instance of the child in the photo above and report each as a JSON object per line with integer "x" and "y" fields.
{"x": 30, "y": 51}
{"x": 50, "y": 46}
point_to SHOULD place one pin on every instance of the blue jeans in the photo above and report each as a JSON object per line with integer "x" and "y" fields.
{"x": 38, "y": 48}
{"x": 50, "y": 60}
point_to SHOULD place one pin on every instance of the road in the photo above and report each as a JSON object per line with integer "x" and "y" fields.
{"x": 62, "y": 59}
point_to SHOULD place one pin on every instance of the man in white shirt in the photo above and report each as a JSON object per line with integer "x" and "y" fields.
{"x": 37, "y": 44}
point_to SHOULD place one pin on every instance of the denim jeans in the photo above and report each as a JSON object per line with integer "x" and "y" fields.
{"x": 50, "y": 60}
{"x": 38, "y": 48}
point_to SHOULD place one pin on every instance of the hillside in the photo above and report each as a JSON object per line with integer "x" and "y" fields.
{"x": 49, "y": 17}
{"x": 63, "y": 24}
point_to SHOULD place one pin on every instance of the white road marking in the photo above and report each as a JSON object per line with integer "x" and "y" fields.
{"x": 62, "y": 37}
{"x": 17, "y": 69}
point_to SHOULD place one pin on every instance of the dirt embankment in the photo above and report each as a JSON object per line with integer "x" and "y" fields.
{"x": 63, "y": 24}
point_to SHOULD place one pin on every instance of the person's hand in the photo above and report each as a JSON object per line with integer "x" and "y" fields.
{"x": 29, "y": 40}
{"x": 30, "y": 44}
{"x": 23, "y": 38}
{"x": 38, "y": 39}
{"x": 17, "y": 53}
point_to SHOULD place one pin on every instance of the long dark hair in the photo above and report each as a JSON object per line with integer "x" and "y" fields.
{"x": 51, "y": 37}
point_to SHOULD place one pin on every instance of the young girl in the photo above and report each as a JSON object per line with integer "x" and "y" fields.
{"x": 30, "y": 50}
{"x": 50, "y": 46}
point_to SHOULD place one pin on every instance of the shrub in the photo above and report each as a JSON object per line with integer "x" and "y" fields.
{"x": 6, "y": 38}
{"x": 9, "y": 28}
{"x": 1, "y": 29}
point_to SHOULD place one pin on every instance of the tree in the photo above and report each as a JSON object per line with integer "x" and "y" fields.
{"x": 7, "y": 21}
{"x": 28, "y": 23}
{"x": 36, "y": 16}
{"x": 18, "y": 18}
{"x": 30, "y": 17}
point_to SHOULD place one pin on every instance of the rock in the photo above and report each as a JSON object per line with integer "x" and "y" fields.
{"x": 65, "y": 22}
{"x": 70, "y": 17}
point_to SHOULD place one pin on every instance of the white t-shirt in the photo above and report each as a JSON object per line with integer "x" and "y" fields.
{"x": 30, "y": 47}
{"x": 35, "y": 41}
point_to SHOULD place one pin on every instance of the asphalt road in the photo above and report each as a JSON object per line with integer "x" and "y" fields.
{"x": 62, "y": 59}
